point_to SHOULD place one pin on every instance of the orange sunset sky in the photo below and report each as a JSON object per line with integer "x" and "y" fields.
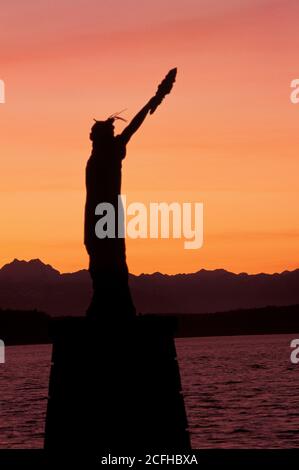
{"x": 227, "y": 135}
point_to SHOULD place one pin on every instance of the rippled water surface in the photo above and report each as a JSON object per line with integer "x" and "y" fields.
{"x": 239, "y": 392}
{"x": 23, "y": 395}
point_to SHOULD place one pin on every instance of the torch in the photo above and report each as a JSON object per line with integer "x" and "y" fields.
{"x": 164, "y": 89}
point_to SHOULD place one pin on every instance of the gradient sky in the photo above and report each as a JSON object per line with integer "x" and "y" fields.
{"x": 227, "y": 136}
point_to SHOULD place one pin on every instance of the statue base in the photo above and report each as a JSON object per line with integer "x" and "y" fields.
{"x": 114, "y": 386}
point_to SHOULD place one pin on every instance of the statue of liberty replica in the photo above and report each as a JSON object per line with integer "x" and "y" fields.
{"x": 107, "y": 266}
{"x": 114, "y": 381}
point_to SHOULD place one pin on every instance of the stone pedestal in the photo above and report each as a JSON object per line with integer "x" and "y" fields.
{"x": 115, "y": 386}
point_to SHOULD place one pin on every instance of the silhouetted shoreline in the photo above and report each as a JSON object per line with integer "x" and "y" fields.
{"x": 19, "y": 327}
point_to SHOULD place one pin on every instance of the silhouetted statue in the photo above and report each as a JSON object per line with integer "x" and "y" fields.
{"x": 107, "y": 266}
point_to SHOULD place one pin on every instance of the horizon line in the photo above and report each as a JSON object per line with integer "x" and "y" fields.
{"x": 155, "y": 272}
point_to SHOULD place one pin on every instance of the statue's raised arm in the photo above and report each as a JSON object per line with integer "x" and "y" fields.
{"x": 164, "y": 88}
{"x": 107, "y": 254}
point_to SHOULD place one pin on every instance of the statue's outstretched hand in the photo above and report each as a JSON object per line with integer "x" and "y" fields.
{"x": 164, "y": 88}
{"x": 153, "y": 104}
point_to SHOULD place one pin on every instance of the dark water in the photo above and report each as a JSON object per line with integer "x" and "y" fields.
{"x": 23, "y": 395}
{"x": 239, "y": 392}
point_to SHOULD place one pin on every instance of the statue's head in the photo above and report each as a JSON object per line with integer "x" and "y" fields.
{"x": 102, "y": 130}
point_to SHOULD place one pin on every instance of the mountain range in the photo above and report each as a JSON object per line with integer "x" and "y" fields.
{"x": 27, "y": 285}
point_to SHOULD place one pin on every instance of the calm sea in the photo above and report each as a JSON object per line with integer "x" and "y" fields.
{"x": 239, "y": 391}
